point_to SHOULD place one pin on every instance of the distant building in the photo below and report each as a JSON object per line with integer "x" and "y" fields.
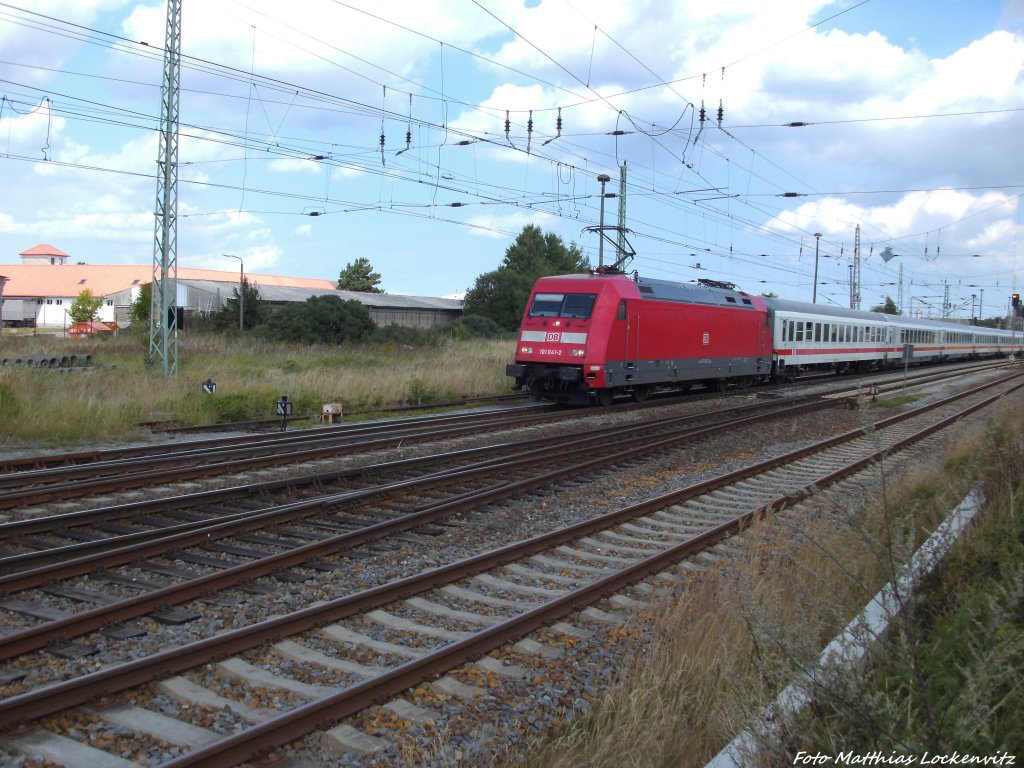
{"x": 39, "y": 291}
{"x": 44, "y": 254}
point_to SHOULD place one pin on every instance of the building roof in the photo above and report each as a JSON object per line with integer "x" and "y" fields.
{"x": 69, "y": 280}
{"x": 43, "y": 250}
{"x": 34, "y": 281}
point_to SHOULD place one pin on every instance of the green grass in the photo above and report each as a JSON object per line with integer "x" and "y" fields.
{"x": 950, "y": 677}
{"x": 109, "y": 400}
{"x": 896, "y": 401}
{"x": 733, "y": 639}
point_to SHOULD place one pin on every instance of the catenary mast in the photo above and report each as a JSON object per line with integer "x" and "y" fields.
{"x": 163, "y": 317}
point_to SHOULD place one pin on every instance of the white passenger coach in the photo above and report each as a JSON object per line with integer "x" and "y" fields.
{"x": 819, "y": 337}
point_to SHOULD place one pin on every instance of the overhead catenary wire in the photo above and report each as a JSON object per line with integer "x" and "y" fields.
{"x": 441, "y": 168}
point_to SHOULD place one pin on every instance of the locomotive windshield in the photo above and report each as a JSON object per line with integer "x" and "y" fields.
{"x": 563, "y": 305}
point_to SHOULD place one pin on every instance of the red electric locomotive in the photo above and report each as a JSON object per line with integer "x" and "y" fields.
{"x": 591, "y": 337}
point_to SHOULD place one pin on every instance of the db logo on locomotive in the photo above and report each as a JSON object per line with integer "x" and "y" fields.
{"x": 553, "y": 336}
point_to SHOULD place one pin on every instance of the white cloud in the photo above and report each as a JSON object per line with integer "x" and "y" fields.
{"x": 499, "y": 227}
{"x": 328, "y": 67}
{"x": 294, "y": 165}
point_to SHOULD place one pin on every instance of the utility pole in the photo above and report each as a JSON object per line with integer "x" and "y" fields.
{"x": 814, "y": 294}
{"x": 899, "y": 304}
{"x": 620, "y": 242}
{"x": 604, "y": 178}
{"x": 3, "y": 282}
{"x": 855, "y": 282}
{"x": 163, "y": 340}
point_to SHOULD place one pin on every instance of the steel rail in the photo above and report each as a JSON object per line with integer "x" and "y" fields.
{"x": 42, "y": 462}
{"x": 81, "y": 463}
{"x": 59, "y": 696}
{"x": 27, "y": 640}
{"x": 204, "y": 468}
{"x": 303, "y": 720}
{"x": 523, "y": 449}
{"x": 50, "y": 523}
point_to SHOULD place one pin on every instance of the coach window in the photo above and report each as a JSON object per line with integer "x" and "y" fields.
{"x": 792, "y": 331}
{"x": 817, "y": 331}
{"x": 809, "y": 331}
{"x": 833, "y": 334}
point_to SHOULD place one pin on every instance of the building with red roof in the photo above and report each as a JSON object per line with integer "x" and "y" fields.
{"x": 40, "y": 290}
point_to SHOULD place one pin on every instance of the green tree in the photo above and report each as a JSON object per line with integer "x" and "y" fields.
{"x": 501, "y": 294}
{"x": 359, "y": 276}
{"x": 888, "y": 308}
{"x": 138, "y": 312}
{"x": 254, "y": 309}
{"x": 320, "y": 320}
{"x": 85, "y": 308}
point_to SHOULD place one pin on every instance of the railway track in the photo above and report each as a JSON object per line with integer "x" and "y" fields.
{"x": 44, "y": 479}
{"x": 235, "y": 547}
{"x": 332, "y": 661}
{"x": 47, "y": 478}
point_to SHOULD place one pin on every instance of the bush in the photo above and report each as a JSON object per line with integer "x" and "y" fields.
{"x": 320, "y": 320}
{"x": 420, "y": 393}
{"x": 482, "y": 327}
{"x": 239, "y": 406}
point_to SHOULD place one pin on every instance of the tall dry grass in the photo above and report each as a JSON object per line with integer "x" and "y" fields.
{"x": 731, "y": 640}
{"x": 40, "y": 408}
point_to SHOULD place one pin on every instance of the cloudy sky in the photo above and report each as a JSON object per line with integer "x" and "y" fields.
{"x": 500, "y": 113}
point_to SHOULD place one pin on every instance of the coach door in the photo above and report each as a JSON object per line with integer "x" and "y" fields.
{"x": 631, "y": 330}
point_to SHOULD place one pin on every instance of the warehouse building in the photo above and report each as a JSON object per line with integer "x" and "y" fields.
{"x": 39, "y": 291}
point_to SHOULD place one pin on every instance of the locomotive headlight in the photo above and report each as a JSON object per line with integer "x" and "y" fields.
{"x": 577, "y": 353}
{"x": 526, "y": 350}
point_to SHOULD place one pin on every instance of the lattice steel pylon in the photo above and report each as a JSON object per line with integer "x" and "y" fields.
{"x": 620, "y": 241}
{"x": 163, "y": 316}
{"x": 855, "y": 272}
